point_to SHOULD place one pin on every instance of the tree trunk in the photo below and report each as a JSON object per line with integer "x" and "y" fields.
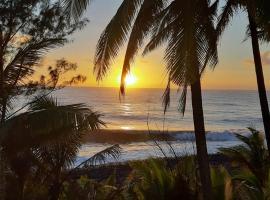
{"x": 55, "y": 190}
{"x": 56, "y": 186}
{"x": 21, "y": 182}
{"x": 1, "y": 79}
{"x": 202, "y": 155}
{"x": 4, "y": 111}
{"x": 260, "y": 78}
{"x": 2, "y": 164}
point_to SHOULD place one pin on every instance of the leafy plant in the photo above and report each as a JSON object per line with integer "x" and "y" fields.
{"x": 45, "y": 141}
{"x": 154, "y": 180}
{"x": 250, "y": 175}
{"x": 252, "y": 154}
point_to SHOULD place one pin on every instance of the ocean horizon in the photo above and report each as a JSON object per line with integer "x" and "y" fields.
{"x": 142, "y": 109}
{"x": 226, "y": 112}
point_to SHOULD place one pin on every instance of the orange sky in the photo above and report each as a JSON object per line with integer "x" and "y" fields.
{"x": 234, "y": 71}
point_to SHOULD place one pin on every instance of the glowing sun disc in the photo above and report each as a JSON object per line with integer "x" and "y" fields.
{"x": 129, "y": 80}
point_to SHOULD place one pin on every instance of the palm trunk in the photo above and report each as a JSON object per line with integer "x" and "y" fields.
{"x": 2, "y": 164}
{"x": 4, "y": 111}
{"x": 55, "y": 191}
{"x": 1, "y": 80}
{"x": 56, "y": 186}
{"x": 202, "y": 154}
{"x": 21, "y": 183}
{"x": 260, "y": 78}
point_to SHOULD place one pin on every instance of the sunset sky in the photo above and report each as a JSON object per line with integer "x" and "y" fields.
{"x": 234, "y": 71}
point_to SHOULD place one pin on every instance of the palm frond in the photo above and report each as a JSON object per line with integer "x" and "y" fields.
{"x": 227, "y": 13}
{"x": 140, "y": 29}
{"x": 183, "y": 100}
{"x": 252, "y": 154}
{"x": 22, "y": 63}
{"x": 112, "y": 152}
{"x": 46, "y": 121}
{"x": 167, "y": 96}
{"x": 114, "y": 36}
{"x": 191, "y": 41}
{"x": 75, "y": 8}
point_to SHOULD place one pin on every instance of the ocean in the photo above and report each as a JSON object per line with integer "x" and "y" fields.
{"x": 225, "y": 112}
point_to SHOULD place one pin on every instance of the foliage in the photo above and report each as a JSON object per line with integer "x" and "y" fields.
{"x": 222, "y": 183}
{"x": 85, "y": 188}
{"x": 252, "y": 154}
{"x": 75, "y": 8}
{"x": 190, "y": 41}
{"x": 44, "y": 141}
{"x": 29, "y": 29}
{"x": 250, "y": 175}
{"x": 102, "y": 156}
{"x": 259, "y": 9}
{"x": 154, "y": 180}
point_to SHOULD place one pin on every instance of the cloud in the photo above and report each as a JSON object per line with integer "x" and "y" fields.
{"x": 264, "y": 56}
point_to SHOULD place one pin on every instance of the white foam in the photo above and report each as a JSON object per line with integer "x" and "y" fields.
{"x": 226, "y": 135}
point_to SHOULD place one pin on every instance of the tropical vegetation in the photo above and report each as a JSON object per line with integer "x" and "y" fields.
{"x": 258, "y": 30}
{"x": 39, "y": 142}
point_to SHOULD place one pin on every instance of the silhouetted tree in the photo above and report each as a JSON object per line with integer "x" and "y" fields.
{"x": 258, "y": 17}
{"x": 188, "y": 29}
{"x": 44, "y": 141}
{"x": 28, "y": 29}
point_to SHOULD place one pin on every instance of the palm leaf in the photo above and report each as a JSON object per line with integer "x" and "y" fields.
{"x": 75, "y": 8}
{"x": 140, "y": 29}
{"x": 47, "y": 121}
{"x": 114, "y": 36}
{"x": 101, "y": 157}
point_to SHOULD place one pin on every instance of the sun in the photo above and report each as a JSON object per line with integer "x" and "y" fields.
{"x": 130, "y": 79}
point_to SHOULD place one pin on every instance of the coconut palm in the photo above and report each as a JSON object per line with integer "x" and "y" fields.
{"x": 258, "y": 16}
{"x": 188, "y": 28}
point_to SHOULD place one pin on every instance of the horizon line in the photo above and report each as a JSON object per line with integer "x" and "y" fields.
{"x": 212, "y": 89}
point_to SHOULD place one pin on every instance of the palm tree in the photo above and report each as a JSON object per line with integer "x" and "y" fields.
{"x": 258, "y": 16}
{"x": 45, "y": 141}
{"x": 188, "y": 28}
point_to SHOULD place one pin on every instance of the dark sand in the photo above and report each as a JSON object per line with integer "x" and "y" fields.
{"x": 122, "y": 170}
{"x": 128, "y": 136}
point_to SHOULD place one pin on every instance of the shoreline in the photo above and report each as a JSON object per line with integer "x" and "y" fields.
{"x": 115, "y": 136}
{"x": 112, "y": 136}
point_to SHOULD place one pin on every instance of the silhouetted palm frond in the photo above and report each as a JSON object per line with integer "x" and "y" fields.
{"x": 114, "y": 36}
{"x": 75, "y": 8}
{"x": 228, "y": 11}
{"x": 140, "y": 29}
{"x": 101, "y": 157}
{"x": 187, "y": 28}
{"x": 47, "y": 121}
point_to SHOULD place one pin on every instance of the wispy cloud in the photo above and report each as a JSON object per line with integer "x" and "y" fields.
{"x": 265, "y": 59}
